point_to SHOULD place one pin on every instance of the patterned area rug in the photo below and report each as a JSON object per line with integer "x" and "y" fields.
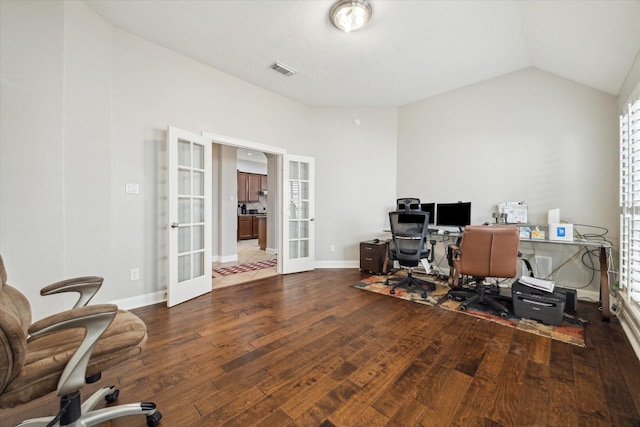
{"x": 376, "y": 284}
{"x": 241, "y": 268}
{"x": 571, "y": 331}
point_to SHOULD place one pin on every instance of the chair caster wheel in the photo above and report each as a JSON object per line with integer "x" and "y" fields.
{"x": 463, "y": 308}
{"x": 112, "y": 397}
{"x": 424, "y": 295}
{"x": 392, "y": 292}
{"x": 154, "y": 419}
{"x": 503, "y": 315}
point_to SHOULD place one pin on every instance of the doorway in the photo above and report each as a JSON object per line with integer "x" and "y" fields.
{"x": 255, "y": 213}
{"x": 229, "y": 251}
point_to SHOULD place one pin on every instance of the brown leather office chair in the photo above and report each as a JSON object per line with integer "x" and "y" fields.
{"x": 64, "y": 351}
{"x": 484, "y": 251}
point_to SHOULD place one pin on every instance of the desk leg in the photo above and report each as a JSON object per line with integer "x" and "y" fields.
{"x": 604, "y": 285}
{"x": 385, "y": 264}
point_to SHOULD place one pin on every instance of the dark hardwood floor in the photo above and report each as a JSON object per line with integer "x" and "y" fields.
{"x": 308, "y": 350}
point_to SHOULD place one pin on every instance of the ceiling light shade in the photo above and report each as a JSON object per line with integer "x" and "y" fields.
{"x": 349, "y": 15}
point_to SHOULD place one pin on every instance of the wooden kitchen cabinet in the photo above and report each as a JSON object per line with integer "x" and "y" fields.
{"x": 254, "y": 227}
{"x": 253, "y": 188}
{"x": 249, "y": 226}
{"x": 245, "y": 227}
{"x": 242, "y": 187}
{"x": 249, "y": 186}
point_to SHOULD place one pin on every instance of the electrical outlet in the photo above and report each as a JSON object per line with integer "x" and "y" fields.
{"x": 333, "y": 247}
{"x": 134, "y": 274}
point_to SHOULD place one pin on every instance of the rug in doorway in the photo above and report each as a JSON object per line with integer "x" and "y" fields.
{"x": 377, "y": 284}
{"x": 572, "y": 330}
{"x": 242, "y": 268}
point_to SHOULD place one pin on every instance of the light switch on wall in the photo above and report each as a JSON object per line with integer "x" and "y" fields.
{"x": 132, "y": 188}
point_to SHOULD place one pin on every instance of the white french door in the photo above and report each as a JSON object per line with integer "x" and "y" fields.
{"x": 189, "y": 162}
{"x": 298, "y": 214}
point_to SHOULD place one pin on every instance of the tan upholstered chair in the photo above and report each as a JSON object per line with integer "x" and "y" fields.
{"x": 484, "y": 251}
{"x": 55, "y": 353}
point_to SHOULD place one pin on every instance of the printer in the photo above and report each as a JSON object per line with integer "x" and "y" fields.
{"x": 531, "y": 303}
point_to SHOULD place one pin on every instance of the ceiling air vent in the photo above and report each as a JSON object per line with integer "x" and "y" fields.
{"x": 282, "y": 69}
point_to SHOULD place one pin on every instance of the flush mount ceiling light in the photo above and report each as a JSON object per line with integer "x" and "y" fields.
{"x": 349, "y": 15}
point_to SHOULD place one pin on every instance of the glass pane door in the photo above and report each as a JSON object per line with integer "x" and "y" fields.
{"x": 298, "y": 232}
{"x": 190, "y": 213}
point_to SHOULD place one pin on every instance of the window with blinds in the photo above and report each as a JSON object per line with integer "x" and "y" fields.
{"x": 630, "y": 202}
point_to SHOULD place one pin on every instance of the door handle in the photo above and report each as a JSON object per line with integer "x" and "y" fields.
{"x": 174, "y": 225}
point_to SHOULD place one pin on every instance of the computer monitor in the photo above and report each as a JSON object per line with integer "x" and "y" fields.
{"x": 453, "y": 214}
{"x": 430, "y": 208}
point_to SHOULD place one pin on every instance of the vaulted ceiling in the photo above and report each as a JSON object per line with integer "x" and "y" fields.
{"x": 410, "y": 50}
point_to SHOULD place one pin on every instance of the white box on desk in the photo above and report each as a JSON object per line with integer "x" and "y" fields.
{"x": 562, "y": 232}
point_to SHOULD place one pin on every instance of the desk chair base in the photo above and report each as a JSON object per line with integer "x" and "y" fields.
{"x": 479, "y": 297}
{"x": 79, "y": 414}
{"x": 411, "y": 284}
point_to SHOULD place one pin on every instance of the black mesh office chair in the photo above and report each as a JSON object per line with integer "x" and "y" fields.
{"x": 408, "y": 231}
{"x": 408, "y": 204}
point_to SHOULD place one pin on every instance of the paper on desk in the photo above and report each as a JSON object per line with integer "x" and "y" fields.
{"x": 543, "y": 285}
{"x": 514, "y": 212}
{"x": 426, "y": 265}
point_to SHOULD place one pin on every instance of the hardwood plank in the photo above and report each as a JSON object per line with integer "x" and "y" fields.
{"x": 560, "y": 409}
{"x": 371, "y": 418}
{"x": 445, "y": 398}
{"x": 535, "y": 394}
{"x": 588, "y": 386}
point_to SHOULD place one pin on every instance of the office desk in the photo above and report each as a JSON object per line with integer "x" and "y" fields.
{"x": 604, "y": 249}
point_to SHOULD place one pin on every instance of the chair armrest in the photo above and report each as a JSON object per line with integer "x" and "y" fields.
{"x": 86, "y": 286}
{"x": 453, "y": 257}
{"x": 95, "y": 320}
{"x": 526, "y": 263}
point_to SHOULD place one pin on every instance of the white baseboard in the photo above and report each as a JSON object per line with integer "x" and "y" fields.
{"x": 337, "y": 264}
{"x": 141, "y": 300}
{"x": 229, "y": 258}
{"x": 271, "y": 251}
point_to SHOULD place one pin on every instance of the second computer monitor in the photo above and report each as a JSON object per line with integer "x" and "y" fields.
{"x": 430, "y": 208}
{"x": 453, "y": 214}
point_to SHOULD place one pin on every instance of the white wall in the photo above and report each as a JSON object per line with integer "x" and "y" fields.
{"x": 526, "y": 136}
{"x": 85, "y": 108}
{"x": 228, "y": 207}
{"x": 32, "y": 163}
{"x": 355, "y": 185}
